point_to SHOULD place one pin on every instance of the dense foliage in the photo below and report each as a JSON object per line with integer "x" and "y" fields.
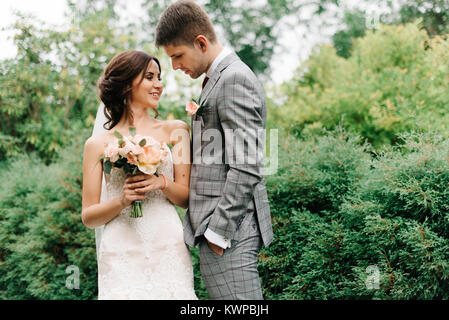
{"x": 395, "y": 81}
{"x": 43, "y": 103}
{"x": 41, "y": 232}
{"x": 337, "y": 211}
{"x": 432, "y": 14}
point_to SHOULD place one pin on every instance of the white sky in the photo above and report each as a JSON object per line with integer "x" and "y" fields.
{"x": 50, "y": 11}
{"x": 291, "y": 51}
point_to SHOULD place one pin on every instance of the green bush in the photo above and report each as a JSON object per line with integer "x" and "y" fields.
{"x": 41, "y": 230}
{"x": 390, "y": 212}
{"x": 318, "y": 173}
{"x": 394, "y": 82}
{"x": 44, "y": 101}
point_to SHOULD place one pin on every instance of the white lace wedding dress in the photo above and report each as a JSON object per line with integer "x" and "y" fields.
{"x": 144, "y": 258}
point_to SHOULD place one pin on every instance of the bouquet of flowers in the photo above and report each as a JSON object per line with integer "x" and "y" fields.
{"x": 134, "y": 154}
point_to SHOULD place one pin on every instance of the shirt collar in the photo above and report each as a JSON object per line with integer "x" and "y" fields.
{"x": 223, "y": 54}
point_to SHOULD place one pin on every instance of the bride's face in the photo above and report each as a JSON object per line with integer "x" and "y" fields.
{"x": 149, "y": 91}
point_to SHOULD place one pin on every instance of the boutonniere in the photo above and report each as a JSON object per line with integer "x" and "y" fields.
{"x": 193, "y": 108}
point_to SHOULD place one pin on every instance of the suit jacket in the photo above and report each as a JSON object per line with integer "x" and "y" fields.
{"x": 226, "y": 177}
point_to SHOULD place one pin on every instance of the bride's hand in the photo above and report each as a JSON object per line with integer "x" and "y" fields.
{"x": 143, "y": 183}
{"x": 129, "y": 195}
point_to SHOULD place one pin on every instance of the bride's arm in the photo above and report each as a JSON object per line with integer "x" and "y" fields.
{"x": 176, "y": 190}
{"x": 94, "y": 213}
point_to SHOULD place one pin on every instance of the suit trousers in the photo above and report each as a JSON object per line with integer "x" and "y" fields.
{"x": 234, "y": 275}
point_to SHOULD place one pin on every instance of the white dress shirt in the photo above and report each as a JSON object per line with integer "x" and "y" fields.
{"x": 223, "y": 54}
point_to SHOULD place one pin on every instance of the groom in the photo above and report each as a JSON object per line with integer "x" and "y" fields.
{"x": 229, "y": 214}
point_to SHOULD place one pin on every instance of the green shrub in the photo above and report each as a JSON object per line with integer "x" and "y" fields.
{"x": 41, "y": 230}
{"x": 44, "y": 101}
{"x": 391, "y": 213}
{"x": 395, "y": 81}
{"x": 318, "y": 173}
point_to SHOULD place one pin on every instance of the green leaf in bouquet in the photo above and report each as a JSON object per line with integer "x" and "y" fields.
{"x": 119, "y": 163}
{"x": 100, "y": 159}
{"x": 132, "y": 131}
{"x": 120, "y": 143}
{"x": 142, "y": 142}
{"x": 107, "y": 166}
{"x": 127, "y": 168}
{"x": 118, "y": 134}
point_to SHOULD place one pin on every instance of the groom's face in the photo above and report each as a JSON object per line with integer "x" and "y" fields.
{"x": 191, "y": 60}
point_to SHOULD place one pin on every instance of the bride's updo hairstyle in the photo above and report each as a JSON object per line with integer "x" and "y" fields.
{"x": 115, "y": 84}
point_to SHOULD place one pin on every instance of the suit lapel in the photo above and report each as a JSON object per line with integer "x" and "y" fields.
{"x": 196, "y": 119}
{"x": 208, "y": 87}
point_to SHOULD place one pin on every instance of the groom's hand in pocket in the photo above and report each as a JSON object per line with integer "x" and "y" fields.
{"x": 216, "y": 249}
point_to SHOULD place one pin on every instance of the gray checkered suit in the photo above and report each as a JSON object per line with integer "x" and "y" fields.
{"x": 227, "y": 187}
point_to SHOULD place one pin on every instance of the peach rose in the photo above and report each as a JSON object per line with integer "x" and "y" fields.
{"x": 191, "y": 108}
{"x": 147, "y": 168}
{"x": 149, "y": 160}
{"x": 150, "y": 141}
{"x": 136, "y": 150}
{"x": 150, "y": 155}
{"x": 132, "y": 159}
{"x": 125, "y": 148}
{"x": 112, "y": 152}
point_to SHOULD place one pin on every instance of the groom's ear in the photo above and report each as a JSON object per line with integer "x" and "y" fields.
{"x": 202, "y": 42}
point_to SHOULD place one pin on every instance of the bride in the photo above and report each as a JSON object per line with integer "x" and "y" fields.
{"x": 138, "y": 258}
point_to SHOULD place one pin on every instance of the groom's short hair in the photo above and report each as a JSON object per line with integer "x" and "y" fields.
{"x": 181, "y": 23}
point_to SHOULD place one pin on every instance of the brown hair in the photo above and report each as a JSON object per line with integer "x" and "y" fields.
{"x": 181, "y": 23}
{"x": 115, "y": 84}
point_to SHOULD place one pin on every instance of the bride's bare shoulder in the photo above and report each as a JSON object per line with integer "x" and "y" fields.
{"x": 97, "y": 143}
{"x": 176, "y": 129}
{"x": 172, "y": 125}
